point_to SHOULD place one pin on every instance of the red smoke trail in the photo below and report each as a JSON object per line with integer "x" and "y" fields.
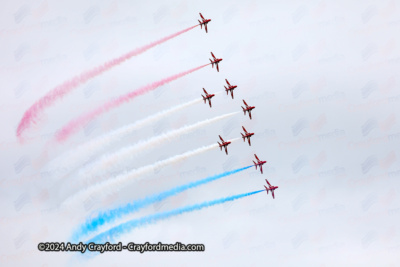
{"x": 73, "y": 125}
{"x": 61, "y": 90}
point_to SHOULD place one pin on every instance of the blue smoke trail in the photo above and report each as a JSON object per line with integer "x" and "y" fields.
{"x": 128, "y": 226}
{"x": 108, "y": 216}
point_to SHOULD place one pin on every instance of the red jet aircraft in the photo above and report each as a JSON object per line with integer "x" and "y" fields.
{"x": 224, "y": 144}
{"x": 248, "y": 108}
{"x": 204, "y": 22}
{"x": 207, "y": 97}
{"x": 246, "y": 135}
{"x": 271, "y": 188}
{"x": 216, "y": 61}
{"x": 259, "y": 163}
{"x": 230, "y": 88}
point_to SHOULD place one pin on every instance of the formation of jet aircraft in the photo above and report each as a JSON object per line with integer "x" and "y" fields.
{"x": 229, "y": 89}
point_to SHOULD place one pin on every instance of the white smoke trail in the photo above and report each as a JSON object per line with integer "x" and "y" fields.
{"x": 120, "y": 181}
{"x": 123, "y": 158}
{"x": 85, "y": 152}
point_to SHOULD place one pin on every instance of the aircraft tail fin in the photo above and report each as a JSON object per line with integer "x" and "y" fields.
{"x": 220, "y": 146}
{"x": 244, "y": 140}
{"x": 255, "y": 164}
{"x": 244, "y": 110}
{"x": 201, "y": 25}
{"x": 204, "y": 98}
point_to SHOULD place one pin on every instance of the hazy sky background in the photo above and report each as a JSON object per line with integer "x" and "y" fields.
{"x": 323, "y": 76}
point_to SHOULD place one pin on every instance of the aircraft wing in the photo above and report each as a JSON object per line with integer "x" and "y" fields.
{"x": 260, "y": 166}
{"x": 213, "y": 55}
{"x": 221, "y": 139}
{"x": 226, "y": 150}
{"x": 232, "y": 93}
{"x": 245, "y": 103}
{"x": 273, "y": 195}
{"x": 268, "y": 182}
{"x": 217, "y": 67}
{"x": 205, "y": 91}
{"x": 249, "y": 141}
{"x": 256, "y": 157}
{"x": 244, "y": 130}
{"x": 227, "y": 82}
{"x": 205, "y": 26}
{"x": 250, "y": 114}
{"x": 209, "y": 102}
{"x": 201, "y": 16}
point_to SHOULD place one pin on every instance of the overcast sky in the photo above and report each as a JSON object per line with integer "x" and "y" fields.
{"x": 323, "y": 76}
